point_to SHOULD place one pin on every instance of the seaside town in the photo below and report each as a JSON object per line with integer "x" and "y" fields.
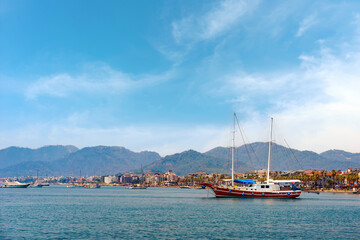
{"x": 316, "y": 180}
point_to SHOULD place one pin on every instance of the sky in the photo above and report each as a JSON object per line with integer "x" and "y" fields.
{"x": 167, "y": 76}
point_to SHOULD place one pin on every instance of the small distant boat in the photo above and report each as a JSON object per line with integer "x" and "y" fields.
{"x": 92, "y": 186}
{"x": 316, "y": 192}
{"x": 137, "y": 187}
{"x": 36, "y": 185}
{"x": 15, "y": 184}
{"x": 184, "y": 187}
{"x": 75, "y": 185}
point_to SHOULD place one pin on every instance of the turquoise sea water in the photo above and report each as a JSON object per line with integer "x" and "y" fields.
{"x": 57, "y": 212}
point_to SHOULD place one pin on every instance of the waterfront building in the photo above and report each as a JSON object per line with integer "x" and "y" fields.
{"x": 110, "y": 179}
{"x": 126, "y": 178}
{"x": 261, "y": 172}
{"x": 170, "y": 176}
{"x": 155, "y": 179}
{"x": 198, "y": 174}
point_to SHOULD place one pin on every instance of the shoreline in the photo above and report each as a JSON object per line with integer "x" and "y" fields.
{"x": 328, "y": 191}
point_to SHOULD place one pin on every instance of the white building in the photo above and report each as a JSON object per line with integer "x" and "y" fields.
{"x": 110, "y": 179}
{"x": 170, "y": 176}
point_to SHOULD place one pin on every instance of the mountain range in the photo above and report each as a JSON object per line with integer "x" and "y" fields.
{"x": 99, "y": 160}
{"x": 102, "y": 160}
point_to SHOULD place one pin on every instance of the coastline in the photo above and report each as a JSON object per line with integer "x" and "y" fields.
{"x": 329, "y": 191}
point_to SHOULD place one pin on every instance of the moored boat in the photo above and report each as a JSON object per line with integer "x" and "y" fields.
{"x": 137, "y": 187}
{"x": 15, "y": 184}
{"x": 273, "y": 189}
{"x": 247, "y": 188}
{"x": 93, "y": 185}
{"x": 36, "y": 185}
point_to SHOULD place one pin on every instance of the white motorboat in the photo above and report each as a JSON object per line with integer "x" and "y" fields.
{"x": 15, "y": 184}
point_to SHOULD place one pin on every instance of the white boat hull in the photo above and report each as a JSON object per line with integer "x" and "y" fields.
{"x": 16, "y": 185}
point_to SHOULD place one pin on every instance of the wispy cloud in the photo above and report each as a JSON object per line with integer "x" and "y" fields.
{"x": 221, "y": 18}
{"x": 97, "y": 78}
{"x": 317, "y": 104}
{"x": 306, "y": 24}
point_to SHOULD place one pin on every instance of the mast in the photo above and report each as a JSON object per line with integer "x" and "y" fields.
{"x": 232, "y": 154}
{"x": 269, "y": 156}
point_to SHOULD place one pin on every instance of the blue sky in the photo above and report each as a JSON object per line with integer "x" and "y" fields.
{"x": 167, "y": 75}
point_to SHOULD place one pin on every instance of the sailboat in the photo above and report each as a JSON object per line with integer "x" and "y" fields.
{"x": 247, "y": 188}
{"x": 36, "y": 184}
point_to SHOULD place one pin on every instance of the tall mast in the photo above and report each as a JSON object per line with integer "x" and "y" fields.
{"x": 232, "y": 154}
{"x": 269, "y": 156}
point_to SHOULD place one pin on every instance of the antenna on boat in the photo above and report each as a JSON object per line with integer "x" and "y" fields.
{"x": 269, "y": 156}
{"x": 233, "y": 153}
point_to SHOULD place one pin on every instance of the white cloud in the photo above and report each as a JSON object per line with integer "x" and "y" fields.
{"x": 96, "y": 78}
{"x": 306, "y": 24}
{"x": 221, "y": 18}
{"x": 317, "y": 105}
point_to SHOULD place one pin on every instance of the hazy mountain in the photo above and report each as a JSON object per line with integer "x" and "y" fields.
{"x": 104, "y": 160}
{"x": 286, "y": 159}
{"x": 90, "y": 160}
{"x": 68, "y": 160}
{"x": 189, "y": 162}
{"x": 14, "y": 155}
{"x": 30, "y": 168}
{"x": 351, "y": 159}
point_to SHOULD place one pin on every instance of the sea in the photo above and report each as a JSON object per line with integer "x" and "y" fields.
{"x": 57, "y": 212}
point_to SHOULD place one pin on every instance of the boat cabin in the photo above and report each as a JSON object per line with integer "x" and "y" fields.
{"x": 273, "y": 185}
{"x": 286, "y": 185}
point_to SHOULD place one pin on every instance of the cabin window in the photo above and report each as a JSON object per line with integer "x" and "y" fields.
{"x": 262, "y": 186}
{"x": 267, "y": 186}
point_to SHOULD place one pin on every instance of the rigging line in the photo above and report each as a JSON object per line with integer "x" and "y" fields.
{"x": 256, "y": 157}
{"x": 242, "y": 136}
{"x": 284, "y": 152}
{"x": 302, "y": 168}
{"x": 237, "y": 166}
{"x": 226, "y": 166}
